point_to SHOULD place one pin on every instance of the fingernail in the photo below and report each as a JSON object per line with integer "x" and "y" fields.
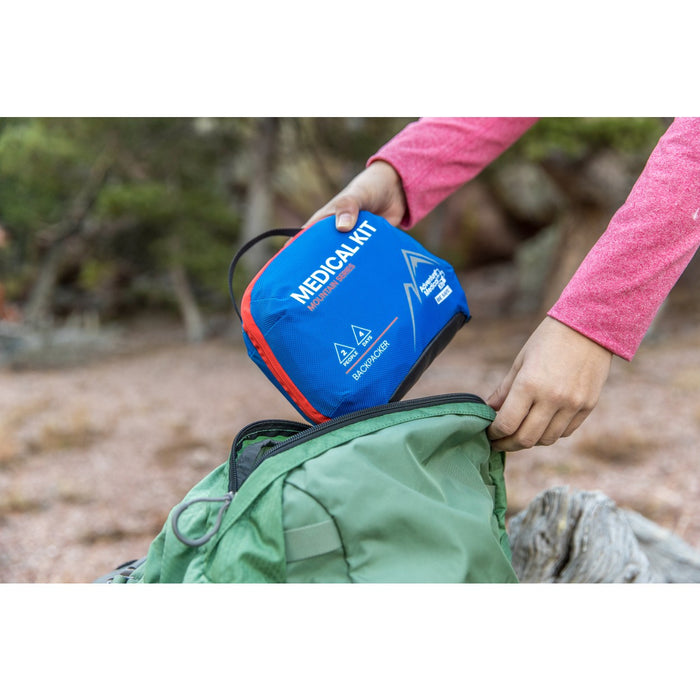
{"x": 344, "y": 221}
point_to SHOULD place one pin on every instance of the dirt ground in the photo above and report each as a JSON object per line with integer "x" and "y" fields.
{"x": 93, "y": 457}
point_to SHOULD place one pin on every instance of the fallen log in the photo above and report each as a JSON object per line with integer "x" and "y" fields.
{"x": 570, "y": 536}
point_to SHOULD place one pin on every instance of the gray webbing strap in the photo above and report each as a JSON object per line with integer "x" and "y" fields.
{"x": 311, "y": 540}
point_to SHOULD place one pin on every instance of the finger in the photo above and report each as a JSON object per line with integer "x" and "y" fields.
{"x": 515, "y": 408}
{"x": 576, "y": 421}
{"x": 499, "y": 395}
{"x": 528, "y": 433}
{"x": 557, "y": 428}
{"x": 563, "y": 423}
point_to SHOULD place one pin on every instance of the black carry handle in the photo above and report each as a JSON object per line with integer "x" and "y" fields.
{"x": 289, "y": 232}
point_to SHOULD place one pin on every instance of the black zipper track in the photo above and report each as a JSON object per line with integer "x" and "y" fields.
{"x": 364, "y": 413}
{"x": 261, "y": 427}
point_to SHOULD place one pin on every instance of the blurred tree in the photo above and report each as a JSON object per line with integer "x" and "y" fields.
{"x": 116, "y": 215}
{"x": 338, "y": 148}
{"x": 262, "y": 155}
{"x": 41, "y": 170}
{"x": 119, "y": 215}
{"x": 170, "y": 182}
{"x": 291, "y": 166}
{"x": 143, "y": 197}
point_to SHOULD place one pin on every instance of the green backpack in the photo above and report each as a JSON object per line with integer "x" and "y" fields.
{"x": 407, "y": 492}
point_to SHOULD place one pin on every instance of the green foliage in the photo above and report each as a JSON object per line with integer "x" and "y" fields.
{"x": 175, "y": 224}
{"x": 166, "y": 183}
{"x": 39, "y": 170}
{"x": 354, "y": 138}
{"x": 94, "y": 272}
{"x": 150, "y": 202}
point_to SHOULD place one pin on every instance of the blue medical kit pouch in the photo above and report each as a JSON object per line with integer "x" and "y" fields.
{"x": 340, "y": 322}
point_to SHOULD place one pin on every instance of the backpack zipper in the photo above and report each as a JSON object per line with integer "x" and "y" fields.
{"x": 305, "y": 434}
{"x": 342, "y": 421}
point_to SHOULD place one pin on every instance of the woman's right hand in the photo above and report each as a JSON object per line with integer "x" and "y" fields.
{"x": 376, "y": 189}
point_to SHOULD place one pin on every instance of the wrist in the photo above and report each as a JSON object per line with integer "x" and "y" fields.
{"x": 382, "y": 177}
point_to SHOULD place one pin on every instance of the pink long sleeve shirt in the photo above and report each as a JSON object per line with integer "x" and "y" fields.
{"x": 618, "y": 289}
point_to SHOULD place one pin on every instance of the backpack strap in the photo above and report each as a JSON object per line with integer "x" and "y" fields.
{"x": 123, "y": 570}
{"x": 289, "y": 232}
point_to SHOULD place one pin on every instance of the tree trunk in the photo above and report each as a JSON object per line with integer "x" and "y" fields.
{"x": 593, "y": 189}
{"x": 571, "y": 536}
{"x": 38, "y": 307}
{"x": 259, "y": 203}
{"x": 579, "y": 230}
{"x": 195, "y": 326}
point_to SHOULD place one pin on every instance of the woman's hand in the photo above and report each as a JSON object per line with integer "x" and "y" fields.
{"x": 553, "y": 385}
{"x": 376, "y": 189}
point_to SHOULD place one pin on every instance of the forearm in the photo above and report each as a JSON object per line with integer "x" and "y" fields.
{"x": 434, "y": 156}
{"x": 618, "y": 289}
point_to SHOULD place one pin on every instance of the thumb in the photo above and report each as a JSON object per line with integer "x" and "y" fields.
{"x": 347, "y": 210}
